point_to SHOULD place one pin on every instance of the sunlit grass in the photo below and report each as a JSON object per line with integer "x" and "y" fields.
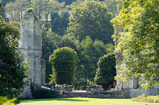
{"x": 77, "y": 101}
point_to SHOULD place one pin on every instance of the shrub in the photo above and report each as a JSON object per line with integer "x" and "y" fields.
{"x": 106, "y": 71}
{"x": 63, "y": 62}
{"x": 6, "y": 101}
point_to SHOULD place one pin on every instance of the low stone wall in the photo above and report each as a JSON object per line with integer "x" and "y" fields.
{"x": 91, "y": 94}
{"x": 131, "y": 93}
{"x": 97, "y": 88}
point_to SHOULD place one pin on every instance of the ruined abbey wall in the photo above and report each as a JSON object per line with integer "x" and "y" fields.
{"x": 30, "y": 45}
{"x": 131, "y": 88}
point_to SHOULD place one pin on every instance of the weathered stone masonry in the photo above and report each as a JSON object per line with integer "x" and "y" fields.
{"x": 31, "y": 45}
{"x": 130, "y": 89}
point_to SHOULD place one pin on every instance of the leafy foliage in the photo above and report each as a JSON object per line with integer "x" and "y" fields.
{"x": 42, "y": 8}
{"x": 90, "y": 18}
{"x": 112, "y": 6}
{"x": 59, "y": 22}
{"x": 67, "y": 2}
{"x": 51, "y": 41}
{"x": 15, "y": 9}
{"x": 7, "y": 1}
{"x": 140, "y": 40}
{"x": 63, "y": 62}
{"x": 6, "y": 101}
{"x": 106, "y": 70}
{"x": 89, "y": 53}
{"x": 12, "y": 68}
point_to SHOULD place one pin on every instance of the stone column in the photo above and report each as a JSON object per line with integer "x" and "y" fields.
{"x": 43, "y": 70}
{"x": 119, "y": 58}
{"x": 30, "y": 45}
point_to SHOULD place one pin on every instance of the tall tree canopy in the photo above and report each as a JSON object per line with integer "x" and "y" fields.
{"x": 68, "y": 2}
{"x": 15, "y": 9}
{"x": 42, "y": 8}
{"x": 112, "y": 6}
{"x": 91, "y": 18}
{"x": 59, "y": 22}
{"x": 139, "y": 43}
{"x": 89, "y": 52}
{"x": 7, "y": 1}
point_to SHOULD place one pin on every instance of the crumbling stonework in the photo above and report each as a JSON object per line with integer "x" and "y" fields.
{"x": 43, "y": 71}
{"x": 129, "y": 89}
{"x": 30, "y": 45}
{"x": 97, "y": 88}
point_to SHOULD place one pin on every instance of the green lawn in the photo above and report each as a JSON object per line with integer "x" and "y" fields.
{"x": 77, "y": 101}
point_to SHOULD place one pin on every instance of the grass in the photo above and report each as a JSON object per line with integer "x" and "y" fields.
{"x": 80, "y": 90}
{"x": 143, "y": 98}
{"x": 77, "y": 101}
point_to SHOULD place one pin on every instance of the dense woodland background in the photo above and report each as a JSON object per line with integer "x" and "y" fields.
{"x": 84, "y": 25}
{"x": 81, "y": 25}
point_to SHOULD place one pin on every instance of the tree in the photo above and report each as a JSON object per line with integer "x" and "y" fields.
{"x": 59, "y": 22}
{"x": 106, "y": 70}
{"x": 15, "y": 9}
{"x": 75, "y": 3}
{"x": 67, "y": 2}
{"x": 45, "y": 7}
{"x": 89, "y": 53}
{"x": 112, "y": 7}
{"x": 42, "y": 8}
{"x": 50, "y": 42}
{"x": 12, "y": 68}
{"x": 63, "y": 62}
{"x": 7, "y": 1}
{"x": 139, "y": 42}
{"x": 90, "y": 18}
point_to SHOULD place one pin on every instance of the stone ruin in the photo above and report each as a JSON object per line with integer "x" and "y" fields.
{"x": 63, "y": 88}
{"x": 43, "y": 71}
{"x": 130, "y": 89}
{"x": 30, "y": 45}
{"x": 95, "y": 89}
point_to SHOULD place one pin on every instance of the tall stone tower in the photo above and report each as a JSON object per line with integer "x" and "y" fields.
{"x": 31, "y": 45}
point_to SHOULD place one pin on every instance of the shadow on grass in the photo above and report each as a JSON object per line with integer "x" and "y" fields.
{"x": 54, "y": 99}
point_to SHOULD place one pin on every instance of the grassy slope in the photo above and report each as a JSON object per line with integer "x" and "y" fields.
{"x": 77, "y": 101}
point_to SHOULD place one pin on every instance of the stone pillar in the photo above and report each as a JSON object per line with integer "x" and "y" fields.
{"x": 30, "y": 45}
{"x": 119, "y": 58}
{"x": 43, "y": 70}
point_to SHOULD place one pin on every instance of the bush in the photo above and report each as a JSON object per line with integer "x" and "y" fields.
{"x": 143, "y": 98}
{"x": 6, "y": 101}
{"x": 106, "y": 71}
{"x": 63, "y": 62}
{"x": 42, "y": 93}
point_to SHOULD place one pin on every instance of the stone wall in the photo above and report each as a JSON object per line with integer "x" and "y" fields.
{"x": 43, "y": 71}
{"x": 131, "y": 88}
{"x": 30, "y": 45}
